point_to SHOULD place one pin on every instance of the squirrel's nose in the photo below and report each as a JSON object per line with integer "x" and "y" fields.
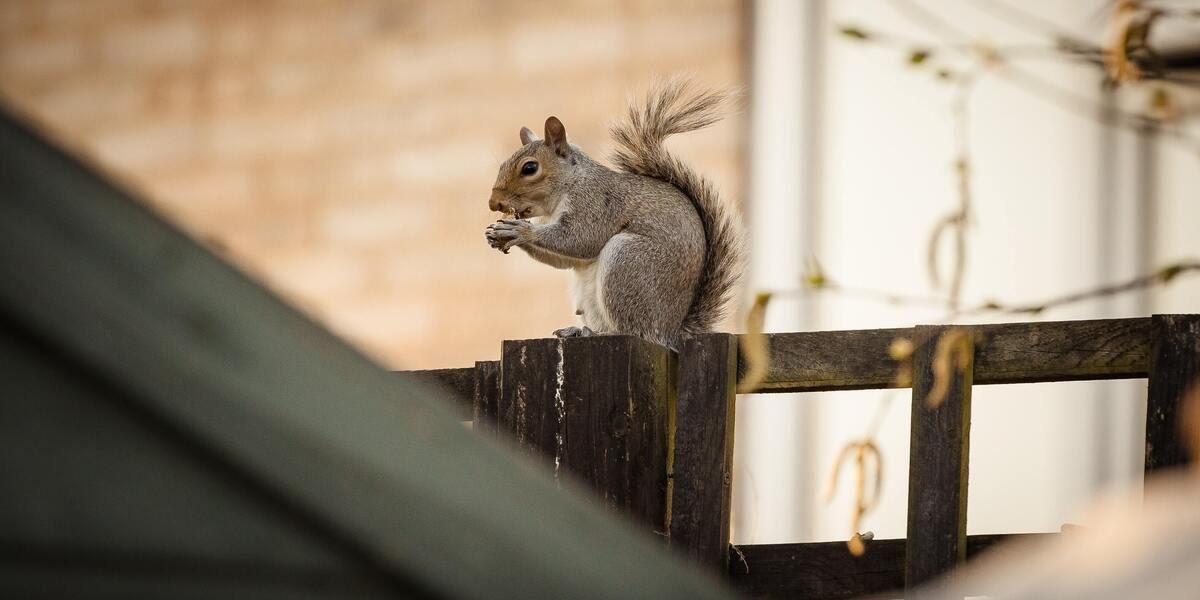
{"x": 496, "y": 202}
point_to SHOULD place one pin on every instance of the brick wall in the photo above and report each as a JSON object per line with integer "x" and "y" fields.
{"x": 343, "y": 151}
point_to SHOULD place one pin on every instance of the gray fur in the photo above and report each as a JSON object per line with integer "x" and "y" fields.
{"x": 654, "y": 252}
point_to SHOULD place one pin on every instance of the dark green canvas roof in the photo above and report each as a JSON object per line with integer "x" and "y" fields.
{"x": 170, "y": 428}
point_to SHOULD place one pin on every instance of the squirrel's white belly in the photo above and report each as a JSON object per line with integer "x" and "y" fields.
{"x": 588, "y": 294}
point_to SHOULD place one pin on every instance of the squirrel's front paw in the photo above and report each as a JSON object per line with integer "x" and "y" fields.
{"x": 493, "y": 240}
{"x": 506, "y": 233}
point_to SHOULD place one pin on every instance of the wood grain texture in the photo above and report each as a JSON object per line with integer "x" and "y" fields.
{"x": 830, "y": 360}
{"x": 827, "y": 570}
{"x": 1006, "y": 353}
{"x": 596, "y": 408}
{"x": 937, "y": 474}
{"x": 486, "y": 397}
{"x": 616, "y": 392}
{"x": 1174, "y": 367}
{"x": 1062, "y": 351}
{"x": 526, "y": 409}
{"x": 703, "y": 456}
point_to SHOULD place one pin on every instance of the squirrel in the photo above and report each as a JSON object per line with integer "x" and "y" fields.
{"x": 654, "y": 251}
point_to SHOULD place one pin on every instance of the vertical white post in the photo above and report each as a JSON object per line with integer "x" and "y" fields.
{"x": 772, "y": 464}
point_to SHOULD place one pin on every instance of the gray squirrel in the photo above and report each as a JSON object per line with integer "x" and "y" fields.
{"x": 654, "y": 251}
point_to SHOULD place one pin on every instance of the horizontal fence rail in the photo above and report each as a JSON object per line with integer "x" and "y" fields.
{"x": 827, "y": 570}
{"x": 1005, "y": 353}
{"x": 816, "y": 361}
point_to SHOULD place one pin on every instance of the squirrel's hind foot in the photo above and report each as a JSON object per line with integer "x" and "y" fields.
{"x": 573, "y": 331}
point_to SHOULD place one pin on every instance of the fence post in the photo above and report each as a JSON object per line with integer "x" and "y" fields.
{"x": 486, "y": 399}
{"x": 937, "y": 472}
{"x": 1174, "y": 366}
{"x": 598, "y": 408}
{"x": 703, "y": 463}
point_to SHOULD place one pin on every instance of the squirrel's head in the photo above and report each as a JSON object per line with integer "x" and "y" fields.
{"x": 530, "y": 182}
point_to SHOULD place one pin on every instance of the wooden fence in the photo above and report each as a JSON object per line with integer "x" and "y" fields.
{"x": 652, "y": 430}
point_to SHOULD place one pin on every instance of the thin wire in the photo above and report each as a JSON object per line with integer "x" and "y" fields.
{"x": 1159, "y": 277}
{"x": 872, "y": 295}
{"x": 881, "y": 411}
{"x": 929, "y": 20}
{"x": 1022, "y": 18}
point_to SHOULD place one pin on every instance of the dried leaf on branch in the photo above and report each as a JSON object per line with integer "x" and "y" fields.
{"x": 865, "y": 457}
{"x": 753, "y": 346}
{"x": 954, "y": 354}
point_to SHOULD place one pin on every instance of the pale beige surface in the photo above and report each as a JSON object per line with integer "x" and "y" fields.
{"x": 343, "y": 151}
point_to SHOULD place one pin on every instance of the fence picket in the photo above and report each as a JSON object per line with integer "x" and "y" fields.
{"x": 1174, "y": 366}
{"x": 703, "y": 456}
{"x": 937, "y": 472}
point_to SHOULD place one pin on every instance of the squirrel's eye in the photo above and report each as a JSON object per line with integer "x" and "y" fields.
{"x": 529, "y": 168}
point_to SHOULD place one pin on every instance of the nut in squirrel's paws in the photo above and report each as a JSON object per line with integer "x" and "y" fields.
{"x": 493, "y": 240}
{"x": 506, "y": 233}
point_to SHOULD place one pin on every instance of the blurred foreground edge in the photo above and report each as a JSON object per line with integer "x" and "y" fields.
{"x": 1132, "y": 547}
{"x": 172, "y": 429}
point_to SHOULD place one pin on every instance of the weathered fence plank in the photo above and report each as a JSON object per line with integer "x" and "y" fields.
{"x": 460, "y": 381}
{"x": 458, "y": 384}
{"x": 527, "y": 383}
{"x": 830, "y": 360}
{"x": 938, "y": 458}
{"x": 822, "y": 570}
{"x": 598, "y": 408}
{"x": 827, "y": 571}
{"x": 1007, "y": 353}
{"x": 1174, "y": 367}
{"x": 703, "y": 453}
{"x": 486, "y": 396}
{"x": 1061, "y": 351}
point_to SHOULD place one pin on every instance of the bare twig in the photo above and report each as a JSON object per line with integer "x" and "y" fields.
{"x": 954, "y": 354}
{"x": 867, "y": 294}
{"x": 753, "y": 346}
{"x": 929, "y": 20}
{"x": 860, "y": 452}
{"x": 741, "y": 556}
{"x": 1162, "y": 276}
{"x": 959, "y": 220}
{"x": 943, "y": 225}
{"x": 1070, "y": 47}
{"x": 881, "y": 412}
{"x": 1024, "y": 19}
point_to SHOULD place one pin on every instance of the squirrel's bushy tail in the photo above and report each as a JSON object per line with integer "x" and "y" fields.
{"x": 674, "y": 106}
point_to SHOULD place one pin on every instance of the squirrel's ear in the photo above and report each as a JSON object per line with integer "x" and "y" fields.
{"x": 556, "y": 137}
{"x": 527, "y": 136}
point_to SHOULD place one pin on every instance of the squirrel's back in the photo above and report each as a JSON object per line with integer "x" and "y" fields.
{"x": 675, "y": 107}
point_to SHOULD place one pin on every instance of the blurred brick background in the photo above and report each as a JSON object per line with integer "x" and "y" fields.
{"x": 343, "y": 151}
